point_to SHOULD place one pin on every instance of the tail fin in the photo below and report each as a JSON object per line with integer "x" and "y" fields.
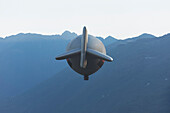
{"x": 84, "y": 41}
{"x": 68, "y": 54}
{"x": 100, "y": 55}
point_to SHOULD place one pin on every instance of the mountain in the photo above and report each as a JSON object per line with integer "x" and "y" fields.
{"x": 33, "y": 36}
{"x": 28, "y": 58}
{"x": 166, "y": 35}
{"x": 108, "y": 40}
{"x": 68, "y": 35}
{"x": 137, "y": 81}
{"x": 142, "y": 36}
{"x": 145, "y": 35}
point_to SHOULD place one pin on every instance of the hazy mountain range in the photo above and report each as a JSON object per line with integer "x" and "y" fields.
{"x": 27, "y": 59}
{"x": 33, "y": 82}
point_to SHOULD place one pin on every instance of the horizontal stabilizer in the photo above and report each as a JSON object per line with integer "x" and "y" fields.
{"x": 68, "y": 54}
{"x": 100, "y": 55}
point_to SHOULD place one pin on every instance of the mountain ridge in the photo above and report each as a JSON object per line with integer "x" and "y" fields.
{"x": 67, "y": 34}
{"x": 137, "y": 81}
{"x": 18, "y": 55}
{"x": 142, "y": 36}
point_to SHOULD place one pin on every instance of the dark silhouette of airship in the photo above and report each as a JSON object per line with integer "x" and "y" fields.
{"x": 85, "y": 54}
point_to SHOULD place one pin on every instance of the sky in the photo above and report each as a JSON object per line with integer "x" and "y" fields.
{"x": 118, "y": 18}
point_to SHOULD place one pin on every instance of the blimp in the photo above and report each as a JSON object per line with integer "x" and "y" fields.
{"x": 85, "y": 54}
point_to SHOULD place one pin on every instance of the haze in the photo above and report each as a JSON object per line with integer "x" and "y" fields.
{"x": 118, "y": 18}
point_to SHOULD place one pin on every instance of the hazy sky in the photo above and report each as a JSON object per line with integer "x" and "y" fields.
{"x": 118, "y": 18}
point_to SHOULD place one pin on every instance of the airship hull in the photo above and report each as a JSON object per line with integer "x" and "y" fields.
{"x": 93, "y": 64}
{"x": 85, "y": 54}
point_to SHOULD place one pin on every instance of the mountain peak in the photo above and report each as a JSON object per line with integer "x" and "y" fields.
{"x": 142, "y": 36}
{"x": 166, "y": 35}
{"x": 66, "y": 32}
{"x": 24, "y": 35}
{"x": 68, "y": 35}
{"x": 146, "y": 35}
{"x": 110, "y": 38}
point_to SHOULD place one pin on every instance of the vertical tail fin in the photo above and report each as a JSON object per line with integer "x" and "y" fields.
{"x": 84, "y": 41}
